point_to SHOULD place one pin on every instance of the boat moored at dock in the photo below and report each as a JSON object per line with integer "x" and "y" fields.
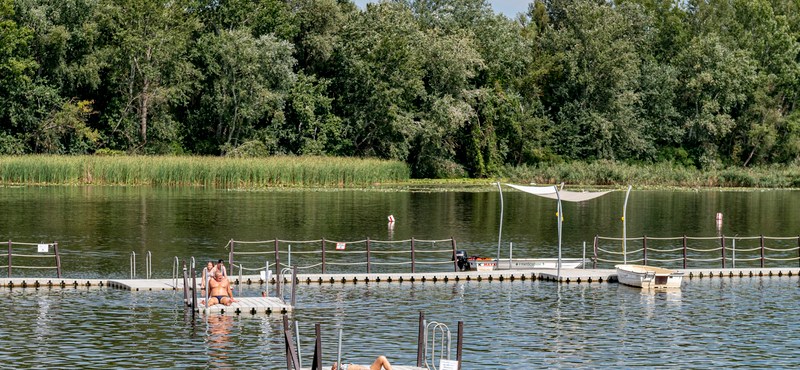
{"x": 648, "y": 277}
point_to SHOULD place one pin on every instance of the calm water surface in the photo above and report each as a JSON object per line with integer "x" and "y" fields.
{"x": 711, "y": 323}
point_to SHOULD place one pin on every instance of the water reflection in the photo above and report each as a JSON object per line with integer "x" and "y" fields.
{"x": 218, "y": 341}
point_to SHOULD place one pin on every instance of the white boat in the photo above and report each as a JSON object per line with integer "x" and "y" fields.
{"x": 648, "y": 277}
{"x": 524, "y": 264}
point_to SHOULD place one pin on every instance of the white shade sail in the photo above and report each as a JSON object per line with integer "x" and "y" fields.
{"x": 567, "y": 196}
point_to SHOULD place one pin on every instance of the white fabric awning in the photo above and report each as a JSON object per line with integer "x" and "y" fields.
{"x": 538, "y": 190}
{"x": 567, "y": 196}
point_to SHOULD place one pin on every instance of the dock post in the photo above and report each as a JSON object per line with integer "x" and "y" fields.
{"x": 369, "y": 267}
{"x": 459, "y": 342}
{"x": 644, "y": 248}
{"x": 185, "y": 285}
{"x": 420, "y": 339}
{"x": 278, "y": 280}
{"x": 596, "y": 242}
{"x": 9, "y": 258}
{"x": 798, "y": 249}
{"x": 58, "y": 259}
{"x": 230, "y": 256}
{"x": 723, "y": 250}
{"x": 413, "y": 269}
{"x": 762, "y": 251}
{"x": 294, "y": 283}
{"x": 684, "y": 250}
{"x": 455, "y": 260}
{"x": 323, "y": 255}
{"x": 316, "y": 363}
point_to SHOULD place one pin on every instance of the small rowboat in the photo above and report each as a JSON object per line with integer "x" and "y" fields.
{"x": 648, "y": 277}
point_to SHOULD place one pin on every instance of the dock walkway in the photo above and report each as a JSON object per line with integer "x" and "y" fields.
{"x": 567, "y": 276}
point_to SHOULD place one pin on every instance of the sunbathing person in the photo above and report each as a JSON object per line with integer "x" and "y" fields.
{"x": 380, "y": 363}
{"x": 221, "y": 291}
{"x": 208, "y": 273}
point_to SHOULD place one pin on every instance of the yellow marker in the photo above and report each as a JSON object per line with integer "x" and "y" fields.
{"x": 623, "y": 219}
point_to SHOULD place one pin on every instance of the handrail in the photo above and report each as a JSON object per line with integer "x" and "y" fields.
{"x": 363, "y": 247}
{"x": 175, "y": 267}
{"x": 47, "y": 254}
{"x": 133, "y": 265}
{"x": 717, "y": 253}
{"x": 435, "y": 327}
{"x": 148, "y": 265}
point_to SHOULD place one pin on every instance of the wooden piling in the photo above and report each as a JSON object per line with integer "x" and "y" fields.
{"x": 58, "y": 259}
{"x": 323, "y": 255}
{"x": 762, "y": 251}
{"x": 185, "y": 285}
{"x": 421, "y": 339}
{"x": 369, "y": 267}
{"x": 644, "y": 249}
{"x": 459, "y": 342}
{"x": 684, "y": 250}
{"x": 294, "y": 283}
{"x": 9, "y": 258}
{"x": 723, "y": 250}
{"x": 316, "y": 364}
{"x": 455, "y": 260}
{"x": 413, "y": 268}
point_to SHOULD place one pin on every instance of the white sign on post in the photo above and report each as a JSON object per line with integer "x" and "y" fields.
{"x": 340, "y": 246}
{"x": 448, "y": 365}
{"x": 43, "y": 248}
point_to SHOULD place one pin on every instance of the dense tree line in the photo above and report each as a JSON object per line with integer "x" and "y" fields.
{"x": 446, "y": 85}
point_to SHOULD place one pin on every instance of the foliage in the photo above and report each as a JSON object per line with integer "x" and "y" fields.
{"x": 446, "y": 86}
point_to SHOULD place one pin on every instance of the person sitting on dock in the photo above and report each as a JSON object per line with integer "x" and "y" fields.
{"x": 208, "y": 273}
{"x": 380, "y": 363}
{"x": 221, "y": 292}
{"x": 221, "y": 267}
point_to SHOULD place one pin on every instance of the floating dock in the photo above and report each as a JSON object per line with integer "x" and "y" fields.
{"x": 251, "y": 305}
{"x": 567, "y": 276}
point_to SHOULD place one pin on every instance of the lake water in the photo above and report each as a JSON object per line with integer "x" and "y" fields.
{"x": 710, "y": 323}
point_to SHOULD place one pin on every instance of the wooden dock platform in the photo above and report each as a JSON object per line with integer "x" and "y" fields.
{"x": 251, "y": 305}
{"x": 610, "y": 275}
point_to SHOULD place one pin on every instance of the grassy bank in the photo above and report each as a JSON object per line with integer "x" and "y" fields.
{"x": 208, "y": 171}
{"x": 662, "y": 174}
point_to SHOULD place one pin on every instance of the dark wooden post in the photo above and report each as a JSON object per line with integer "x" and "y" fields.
{"x": 455, "y": 260}
{"x": 723, "y": 250}
{"x": 798, "y": 249}
{"x": 58, "y": 259}
{"x": 420, "y": 339}
{"x": 644, "y": 248}
{"x": 9, "y": 258}
{"x": 194, "y": 289}
{"x": 459, "y": 342}
{"x": 762, "y": 251}
{"x": 230, "y": 257}
{"x": 316, "y": 364}
{"x": 413, "y": 269}
{"x": 596, "y": 242}
{"x": 277, "y": 271}
{"x": 323, "y": 255}
{"x": 294, "y": 283}
{"x": 684, "y": 250}
{"x": 369, "y": 267}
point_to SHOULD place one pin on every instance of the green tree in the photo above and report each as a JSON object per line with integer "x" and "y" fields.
{"x": 146, "y": 48}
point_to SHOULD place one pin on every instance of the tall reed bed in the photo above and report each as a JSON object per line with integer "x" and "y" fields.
{"x": 208, "y": 171}
{"x": 663, "y": 174}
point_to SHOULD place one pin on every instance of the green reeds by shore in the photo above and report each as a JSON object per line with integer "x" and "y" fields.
{"x": 661, "y": 174}
{"x": 207, "y": 171}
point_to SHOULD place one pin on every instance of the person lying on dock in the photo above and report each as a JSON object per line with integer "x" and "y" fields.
{"x": 221, "y": 292}
{"x": 380, "y": 363}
